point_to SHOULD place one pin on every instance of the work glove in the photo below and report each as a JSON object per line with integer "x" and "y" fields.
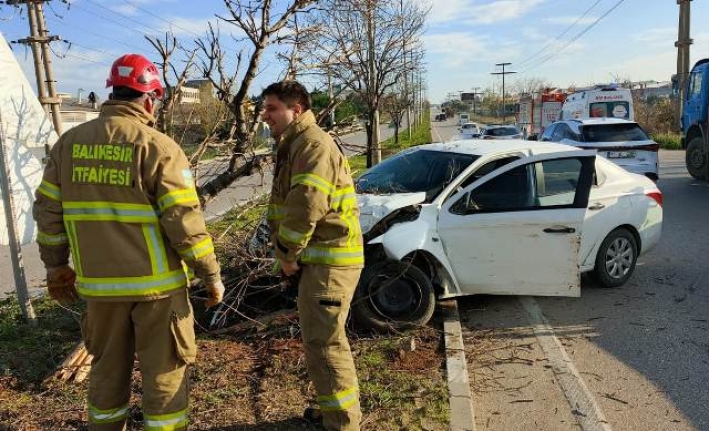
{"x": 61, "y": 282}
{"x": 215, "y": 292}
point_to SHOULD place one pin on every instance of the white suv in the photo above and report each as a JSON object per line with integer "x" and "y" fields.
{"x": 621, "y": 141}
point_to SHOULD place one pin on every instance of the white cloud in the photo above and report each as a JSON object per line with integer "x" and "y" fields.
{"x": 443, "y": 11}
{"x": 184, "y": 26}
{"x": 570, "y": 20}
{"x": 125, "y": 9}
{"x": 456, "y": 48}
{"x": 657, "y": 35}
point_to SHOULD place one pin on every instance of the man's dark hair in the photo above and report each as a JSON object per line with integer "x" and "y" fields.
{"x": 125, "y": 94}
{"x": 290, "y": 93}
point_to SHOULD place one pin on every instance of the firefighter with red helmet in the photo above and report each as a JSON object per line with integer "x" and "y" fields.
{"x": 119, "y": 197}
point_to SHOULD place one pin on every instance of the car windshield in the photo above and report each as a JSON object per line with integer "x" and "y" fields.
{"x": 613, "y": 133}
{"x": 502, "y": 131}
{"x": 414, "y": 171}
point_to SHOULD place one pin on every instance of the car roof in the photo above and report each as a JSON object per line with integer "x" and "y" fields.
{"x": 480, "y": 148}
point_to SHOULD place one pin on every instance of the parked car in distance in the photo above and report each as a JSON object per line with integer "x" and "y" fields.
{"x": 497, "y": 131}
{"x": 469, "y": 130}
{"x": 463, "y": 118}
{"x": 507, "y": 217}
{"x": 621, "y": 141}
{"x": 440, "y": 117}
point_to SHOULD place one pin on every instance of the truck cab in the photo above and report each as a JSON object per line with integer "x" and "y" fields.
{"x": 695, "y": 120}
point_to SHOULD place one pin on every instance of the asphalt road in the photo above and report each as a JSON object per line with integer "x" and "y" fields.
{"x": 642, "y": 350}
{"x": 238, "y": 193}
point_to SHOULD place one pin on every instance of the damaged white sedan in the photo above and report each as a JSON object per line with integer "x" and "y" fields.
{"x": 505, "y": 218}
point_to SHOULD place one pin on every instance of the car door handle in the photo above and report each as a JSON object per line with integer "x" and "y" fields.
{"x": 560, "y": 229}
{"x": 597, "y": 206}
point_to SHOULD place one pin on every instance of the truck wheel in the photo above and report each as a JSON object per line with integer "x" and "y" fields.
{"x": 393, "y": 295}
{"x": 696, "y": 158}
{"x": 616, "y": 258}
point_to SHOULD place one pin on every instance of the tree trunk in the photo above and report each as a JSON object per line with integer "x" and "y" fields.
{"x": 377, "y": 150}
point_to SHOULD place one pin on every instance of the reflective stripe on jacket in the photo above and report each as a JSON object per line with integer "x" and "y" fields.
{"x": 120, "y": 196}
{"x": 313, "y": 212}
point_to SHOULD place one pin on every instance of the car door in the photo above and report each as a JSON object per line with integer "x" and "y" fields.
{"x": 517, "y": 230}
{"x": 694, "y": 95}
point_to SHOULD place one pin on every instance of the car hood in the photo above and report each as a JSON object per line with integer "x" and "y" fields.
{"x": 373, "y": 208}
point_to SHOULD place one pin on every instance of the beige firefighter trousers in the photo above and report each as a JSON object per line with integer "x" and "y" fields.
{"x": 161, "y": 332}
{"x": 324, "y": 297}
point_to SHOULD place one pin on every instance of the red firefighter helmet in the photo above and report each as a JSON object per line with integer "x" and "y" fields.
{"x": 136, "y": 72}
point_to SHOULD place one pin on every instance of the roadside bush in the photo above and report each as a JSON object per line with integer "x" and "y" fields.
{"x": 668, "y": 141}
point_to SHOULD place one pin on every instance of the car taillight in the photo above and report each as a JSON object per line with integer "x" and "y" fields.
{"x": 656, "y": 196}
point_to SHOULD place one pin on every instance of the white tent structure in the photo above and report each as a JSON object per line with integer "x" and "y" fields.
{"x": 25, "y": 130}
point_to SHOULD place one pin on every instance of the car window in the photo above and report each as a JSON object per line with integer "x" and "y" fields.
{"x": 695, "y": 84}
{"x": 548, "y": 132}
{"x": 486, "y": 169}
{"x": 559, "y": 132}
{"x": 618, "y": 109}
{"x": 613, "y": 132}
{"x": 414, "y": 171}
{"x": 502, "y": 131}
{"x": 509, "y": 191}
{"x": 547, "y": 184}
{"x": 556, "y": 182}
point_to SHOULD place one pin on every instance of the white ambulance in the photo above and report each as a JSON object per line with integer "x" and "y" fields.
{"x": 608, "y": 102}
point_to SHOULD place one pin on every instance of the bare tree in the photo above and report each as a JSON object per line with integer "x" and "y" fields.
{"x": 395, "y": 104}
{"x": 530, "y": 85}
{"x": 260, "y": 22}
{"x": 166, "y": 50}
{"x": 363, "y": 48}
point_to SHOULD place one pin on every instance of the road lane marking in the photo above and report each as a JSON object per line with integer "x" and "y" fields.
{"x": 583, "y": 405}
{"x": 435, "y": 129}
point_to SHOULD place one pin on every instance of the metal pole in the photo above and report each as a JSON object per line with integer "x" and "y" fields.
{"x": 18, "y": 268}
{"x": 37, "y": 57}
{"x": 53, "y": 99}
{"x": 682, "y": 44}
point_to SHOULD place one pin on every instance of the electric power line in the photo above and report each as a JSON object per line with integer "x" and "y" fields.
{"x": 558, "y": 38}
{"x": 84, "y": 30}
{"x": 161, "y": 18}
{"x": 574, "y": 39}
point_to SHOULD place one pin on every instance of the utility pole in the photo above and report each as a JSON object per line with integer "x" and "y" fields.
{"x": 374, "y": 155}
{"x": 475, "y": 93}
{"x": 406, "y": 74}
{"x": 18, "y": 268}
{"x": 682, "y": 44}
{"x": 503, "y": 73}
{"x": 39, "y": 41}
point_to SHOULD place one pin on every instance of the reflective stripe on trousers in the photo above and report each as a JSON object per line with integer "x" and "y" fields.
{"x": 166, "y": 422}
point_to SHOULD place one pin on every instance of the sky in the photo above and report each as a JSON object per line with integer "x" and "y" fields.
{"x": 563, "y": 42}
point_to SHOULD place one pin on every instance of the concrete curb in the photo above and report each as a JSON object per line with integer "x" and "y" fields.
{"x": 461, "y": 399}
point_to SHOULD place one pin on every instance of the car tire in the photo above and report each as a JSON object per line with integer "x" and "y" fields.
{"x": 393, "y": 295}
{"x": 616, "y": 258}
{"x": 696, "y": 158}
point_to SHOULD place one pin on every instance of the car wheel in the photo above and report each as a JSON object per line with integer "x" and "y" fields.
{"x": 616, "y": 258}
{"x": 393, "y": 295}
{"x": 696, "y": 159}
